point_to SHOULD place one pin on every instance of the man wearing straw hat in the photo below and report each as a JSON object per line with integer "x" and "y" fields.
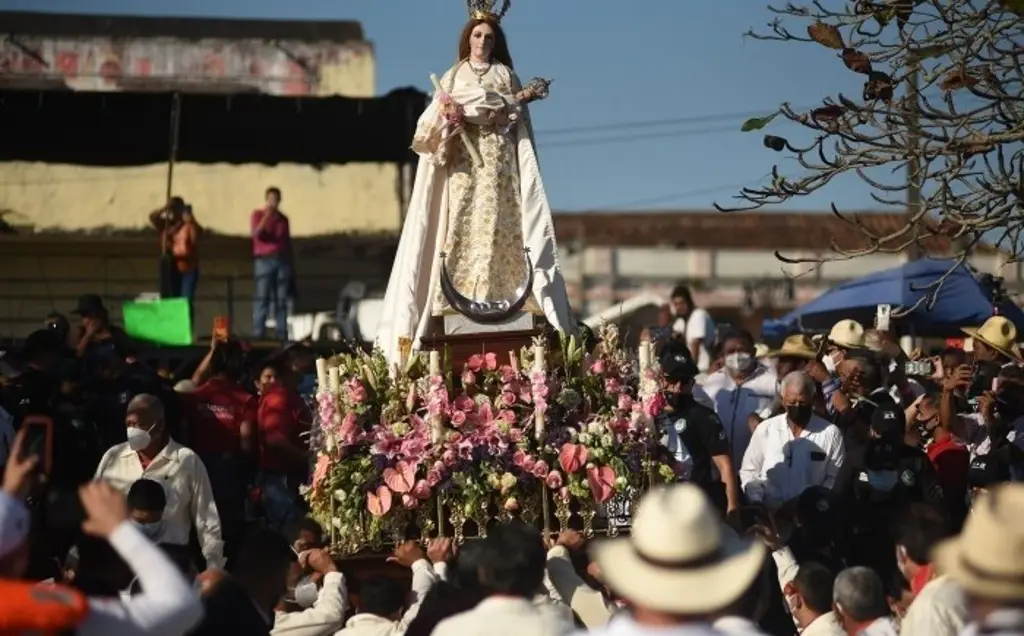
{"x": 679, "y": 567}
{"x": 987, "y": 561}
{"x": 995, "y": 347}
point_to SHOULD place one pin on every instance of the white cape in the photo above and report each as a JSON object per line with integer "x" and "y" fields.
{"x": 416, "y": 271}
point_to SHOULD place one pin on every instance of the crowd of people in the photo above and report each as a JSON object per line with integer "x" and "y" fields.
{"x": 824, "y": 491}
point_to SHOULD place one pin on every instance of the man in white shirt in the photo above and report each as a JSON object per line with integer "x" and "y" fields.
{"x": 940, "y": 606}
{"x": 512, "y": 571}
{"x": 859, "y": 602}
{"x": 327, "y": 613}
{"x": 151, "y": 453}
{"x": 694, "y": 325}
{"x": 743, "y": 387}
{"x": 791, "y": 452}
{"x": 809, "y": 599}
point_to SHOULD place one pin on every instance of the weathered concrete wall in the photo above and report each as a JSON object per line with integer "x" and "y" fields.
{"x": 358, "y": 197}
{"x": 277, "y": 68}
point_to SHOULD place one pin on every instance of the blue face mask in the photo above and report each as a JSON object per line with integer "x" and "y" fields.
{"x": 307, "y": 384}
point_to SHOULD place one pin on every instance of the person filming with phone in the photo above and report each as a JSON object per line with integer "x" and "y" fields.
{"x": 167, "y": 606}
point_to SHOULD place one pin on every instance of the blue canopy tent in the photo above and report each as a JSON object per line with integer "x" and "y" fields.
{"x": 964, "y": 299}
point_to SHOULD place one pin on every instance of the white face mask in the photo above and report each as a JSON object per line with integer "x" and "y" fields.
{"x": 139, "y": 438}
{"x": 151, "y": 530}
{"x": 739, "y": 361}
{"x": 830, "y": 364}
{"x": 305, "y": 593}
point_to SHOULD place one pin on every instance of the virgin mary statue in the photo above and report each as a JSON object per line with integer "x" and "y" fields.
{"x": 478, "y": 198}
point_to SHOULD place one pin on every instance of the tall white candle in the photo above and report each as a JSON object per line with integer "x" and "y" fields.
{"x": 644, "y": 355}
{"x": 436, "y": 424}
{"x": 334, "y": 380}
{"x": 321, "y": 374}
{"x": 539, "y": 366}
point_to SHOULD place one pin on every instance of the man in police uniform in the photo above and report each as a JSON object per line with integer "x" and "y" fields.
{"x": 693, "y": 433}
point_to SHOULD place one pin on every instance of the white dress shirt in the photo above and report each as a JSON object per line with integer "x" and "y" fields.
{"x": 589, "y": 604}
{"x": 881, "y": 627}
{"x": 324, "y": 618}
{"x": 505, "y": 616}
{"x": 622, "y": 624}
{"x": 779, "y": 465}
{"x": 700, "y": 327}
{"x": 940, "y": 609}
{"x": 734, "y": 403}
{"x": 167, "y": 606}
{"x": 423, "y": 578}
{"x": 737, "y": 626}
{"x": 187, "y": 486}
{"x": 824, "y": 625}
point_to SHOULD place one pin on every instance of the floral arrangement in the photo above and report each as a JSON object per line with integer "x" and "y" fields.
{"x": 412, "y": 449}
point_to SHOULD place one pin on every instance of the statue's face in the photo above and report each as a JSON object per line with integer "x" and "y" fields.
{"x": 481, "y": 41}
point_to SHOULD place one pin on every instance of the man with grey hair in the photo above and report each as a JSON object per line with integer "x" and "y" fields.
{"x": 150, "y": 453}
{"x": 860, "y": 605}
{"x": 791, "y": 452}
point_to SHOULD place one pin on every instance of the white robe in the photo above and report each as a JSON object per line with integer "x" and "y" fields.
{"x": 412, "y": 286}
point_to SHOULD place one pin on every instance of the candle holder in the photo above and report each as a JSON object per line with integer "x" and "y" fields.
{"x": 457, "y": 517}
{"x": 587, "y": 514}
{"x": 425, "y": 518}
{"x": 563, "y": 513}
{"x": 482, "y": 518}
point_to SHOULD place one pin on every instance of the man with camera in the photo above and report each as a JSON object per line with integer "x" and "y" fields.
{"x": 179, "y": 236}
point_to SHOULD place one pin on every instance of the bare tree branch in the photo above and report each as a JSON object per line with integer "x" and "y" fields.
{"x": 963, "y": 123}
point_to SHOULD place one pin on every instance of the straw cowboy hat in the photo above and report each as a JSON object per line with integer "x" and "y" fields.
{"x": 848, "y": 334}
{"x": 998, "y": 333}
{"x": 760, "y": 350}
{"x": 796, "y": 346}
{"x": 678, "y": 558}
{"x": 987, "y": 558}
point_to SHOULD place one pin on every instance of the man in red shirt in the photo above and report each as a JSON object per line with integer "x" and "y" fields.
{"x": 272, "y": 265}
{"x": 950, "y": 456}
{"x": 221, "y": 425}
{"x": 283, "y": 419}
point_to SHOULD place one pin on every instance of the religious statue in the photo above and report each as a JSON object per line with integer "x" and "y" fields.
{"x": 478, "y": 233}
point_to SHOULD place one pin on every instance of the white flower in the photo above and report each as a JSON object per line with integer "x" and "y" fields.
{"x": 340, "y": 495}
{"x": 573, "y": 434}
{"x": 585, "y": 439}
{"x": 595, "y": 428}
{"x": 607, "y": 441}
{"x": 621, "y": 483}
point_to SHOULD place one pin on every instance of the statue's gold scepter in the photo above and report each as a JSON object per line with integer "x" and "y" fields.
{"x": 446, "y": 99}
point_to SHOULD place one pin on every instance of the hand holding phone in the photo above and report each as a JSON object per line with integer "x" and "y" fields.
{"x": 38, "y": 441}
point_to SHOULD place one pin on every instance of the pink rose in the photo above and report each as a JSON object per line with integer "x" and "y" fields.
{"x": 410, "y": 502}
{"x": 464, "y": 403}
{"x": 448, "y": 457}
{"x": 611, "y": 385}
{"x": 528, "y": 463}
{"x": 421, "y": 490}
{"x": 540, "y": 469}
{"x": 508, "y": 398}
{"x": 438, "y": 466}
{"x": 475, "y": 362}
{"x": 625, "y": 402}
{"x": 508, "y": 374}
{"x": 508, "y": 416}
{"x": 526, "y": 396}
{"x": 540, "y": 391}
{"x": 356, "y": 391}
{"x": 434, "y": 477}
{"x": 515, "y": 435}
{"x": 519, "y": 458}
{"x": 597, "y": 367}
{"x": 458, "y": 418}
{"x": 468, "y": 378}
{"x": 553, "y": 480}
{"x": 655, "y": 405}
{"x": 563, "y": 493}
{"x": 490, "y": 361}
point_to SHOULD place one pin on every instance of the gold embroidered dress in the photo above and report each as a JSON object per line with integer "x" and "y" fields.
{"x": 480, "y": 215}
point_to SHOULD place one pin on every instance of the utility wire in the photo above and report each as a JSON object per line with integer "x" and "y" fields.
{"x": 665, "y": 198}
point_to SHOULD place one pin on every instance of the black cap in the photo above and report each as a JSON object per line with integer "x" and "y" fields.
{"x": 677, "y": 364}
{"x": 986, "y": 471}
{"x": 89, "y": 305}
{"x": 889, "y": 422}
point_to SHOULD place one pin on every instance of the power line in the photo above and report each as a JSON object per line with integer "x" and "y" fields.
{"x": 665, "y": 198}
{"x": 617, "y": 139}
{"x": 655, "y": 123}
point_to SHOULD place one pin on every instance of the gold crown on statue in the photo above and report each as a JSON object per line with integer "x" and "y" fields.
{"x": 484, "y": 9}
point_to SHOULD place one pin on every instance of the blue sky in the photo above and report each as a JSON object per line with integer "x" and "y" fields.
{"x": 614, "y": 62}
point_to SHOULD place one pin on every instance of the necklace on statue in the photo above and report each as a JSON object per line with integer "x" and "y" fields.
{"x": 481, "y": 71}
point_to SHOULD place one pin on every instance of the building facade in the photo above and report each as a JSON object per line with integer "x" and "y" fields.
{"x": 47, "y": 53}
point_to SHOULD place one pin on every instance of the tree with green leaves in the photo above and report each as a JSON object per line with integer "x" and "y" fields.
{"x": 936, "y": 132}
